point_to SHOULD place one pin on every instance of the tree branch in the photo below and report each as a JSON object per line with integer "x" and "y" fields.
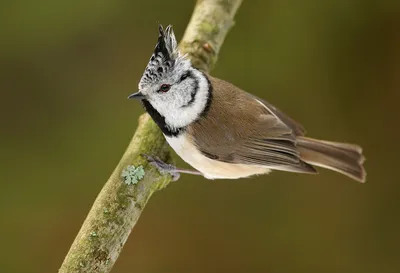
{"x": 119, "y": 205}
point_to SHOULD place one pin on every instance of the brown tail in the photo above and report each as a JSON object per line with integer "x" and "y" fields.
{"x": 341, "y": 157}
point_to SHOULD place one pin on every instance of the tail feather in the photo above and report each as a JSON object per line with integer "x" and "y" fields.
{"x": 341, "y": 157}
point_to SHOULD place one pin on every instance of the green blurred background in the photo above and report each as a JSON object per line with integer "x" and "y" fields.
{"x": 66, "y": 68}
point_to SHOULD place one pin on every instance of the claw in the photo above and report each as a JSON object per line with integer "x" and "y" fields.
{"x": 148, "y": 157}
{"x": 175, "y": 176}
{"x": 163, "y": 167}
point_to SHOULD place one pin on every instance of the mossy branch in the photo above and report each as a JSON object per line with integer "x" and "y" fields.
{"x": 122, "y": 199}
{"x": 206, "y": 32}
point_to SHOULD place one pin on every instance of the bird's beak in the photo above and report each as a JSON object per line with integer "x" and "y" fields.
{"x": 137, "y": 96}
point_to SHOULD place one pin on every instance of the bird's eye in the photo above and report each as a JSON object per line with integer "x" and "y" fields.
{"x": 164, "y": 88}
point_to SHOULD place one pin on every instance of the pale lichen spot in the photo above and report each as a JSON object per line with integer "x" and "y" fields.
{"x": 132, "y": 175}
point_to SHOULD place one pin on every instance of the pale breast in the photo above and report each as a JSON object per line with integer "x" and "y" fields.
{"x": 211, "y": 169}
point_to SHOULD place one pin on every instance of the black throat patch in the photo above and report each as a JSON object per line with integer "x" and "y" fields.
{"x": 160, "y": 120}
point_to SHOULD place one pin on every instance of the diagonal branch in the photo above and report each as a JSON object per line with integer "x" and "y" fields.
{"x": 118, "y": 206}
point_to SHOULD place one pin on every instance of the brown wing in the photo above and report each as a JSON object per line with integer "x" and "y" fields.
{"x": 240, "y": 128}
{"x": 296, "y": 127}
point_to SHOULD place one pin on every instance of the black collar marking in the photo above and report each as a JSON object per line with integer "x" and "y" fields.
{"x": 195, "y": 89}
{"x": 209, "y": 98}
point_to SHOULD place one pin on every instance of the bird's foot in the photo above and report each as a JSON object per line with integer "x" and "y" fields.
{"x": 162, "y": 167}
{"x": 165, "y": 168}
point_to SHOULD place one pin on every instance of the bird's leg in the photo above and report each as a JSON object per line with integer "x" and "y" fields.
{"x": 165, "y": 168}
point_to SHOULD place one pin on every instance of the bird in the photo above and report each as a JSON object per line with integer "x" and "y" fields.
{"x": 224, "y": 132}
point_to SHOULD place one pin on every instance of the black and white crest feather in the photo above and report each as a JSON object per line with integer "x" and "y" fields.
{"x": 164, "y": 59}
{"x": 166, "y": 44}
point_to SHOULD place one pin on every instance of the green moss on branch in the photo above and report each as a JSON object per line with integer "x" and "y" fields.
{"x": 118, "y": 206}
{"x": 209, "y": 25}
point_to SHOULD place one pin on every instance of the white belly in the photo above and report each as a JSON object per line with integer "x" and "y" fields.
{"x": 211, "y": 169}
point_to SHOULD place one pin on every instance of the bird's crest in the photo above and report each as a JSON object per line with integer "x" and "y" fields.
{"x": 166, "y": 44}
{"x": 165, "y": 58}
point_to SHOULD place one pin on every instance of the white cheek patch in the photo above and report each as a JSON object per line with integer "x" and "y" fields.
{"x": 180, "y": 116}
{"x": 174, "y": 107}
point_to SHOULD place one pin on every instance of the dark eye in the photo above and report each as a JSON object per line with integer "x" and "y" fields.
{"x": 164, "y": 88}
{"x": 184, "y": 76}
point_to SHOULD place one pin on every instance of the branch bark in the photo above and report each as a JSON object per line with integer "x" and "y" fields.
{"x": 118, "y": 206}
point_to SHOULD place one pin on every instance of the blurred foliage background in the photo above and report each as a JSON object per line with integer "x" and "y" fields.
{"x": 66, "y": 68}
